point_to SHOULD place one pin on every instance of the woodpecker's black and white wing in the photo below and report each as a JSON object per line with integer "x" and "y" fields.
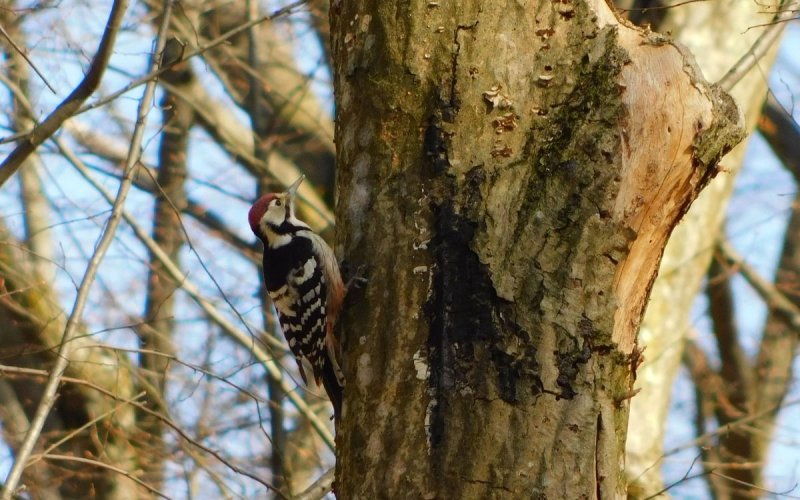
{"x": 297, "y": 284}
{"x": 301, "y": 310}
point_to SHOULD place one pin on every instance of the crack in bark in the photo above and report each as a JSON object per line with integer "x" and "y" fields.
{"x": 598, "y": 478}
{"x": 486, "y": 483}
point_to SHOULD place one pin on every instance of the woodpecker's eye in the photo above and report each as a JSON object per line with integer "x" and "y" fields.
{"x": 277, "y": 203}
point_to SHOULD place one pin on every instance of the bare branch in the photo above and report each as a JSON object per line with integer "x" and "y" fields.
{"x": 701, "y": 440}
{"x": 27, "y": 59}
{"x": 320, "y": 488}
{"x": 51, "y": 388}
{"x": 70, "y": 105}
{"x": 15, "y": 423}
{"x": 11, "y": 371}
{"x": 775, "y": 300}
{"x": 97, "y": 463}
{"x": 782, "y": 133}
{"x": 760, "y": 47}
{"x": 283, "y": 11}
{"x": 109, "y": 148}
{"x": 78, "y": 430}
{"x": 237, "y": 139}
{"x": 187, "y": 286}
{"x": 735, "y": 370}
{"x": 170, "y": 200}
{"x": 34, "y": 201}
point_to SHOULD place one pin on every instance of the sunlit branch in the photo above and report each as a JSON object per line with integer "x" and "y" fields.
{"x": 760, "y": 46}
{"x": 319, "y": 488}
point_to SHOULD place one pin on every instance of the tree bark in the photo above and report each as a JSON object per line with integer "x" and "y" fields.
{"x": 511, "y": 196}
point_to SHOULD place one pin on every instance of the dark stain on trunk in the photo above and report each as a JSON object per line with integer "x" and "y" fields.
{"x": 475, "y": 350}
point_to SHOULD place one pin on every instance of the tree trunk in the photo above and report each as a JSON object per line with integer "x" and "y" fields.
{"x": 509, "y": 175}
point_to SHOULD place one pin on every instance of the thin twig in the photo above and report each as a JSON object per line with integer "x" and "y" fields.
{"x": 783, "y": 494}
{"x": 50, "y": 393}
{"x": 773, "y": 297}
{"x": 74, "y": 432}
{"x": 70, "y": 105}
{"x": 699, "y": 440}
{"x": 20, "y": 371}
{"x": 103, "y": 465}
{"x": 27, "y": 59}
{"x": 759, "y": 47}
{"x": 283, "y": 11}
{"x": 211, "y": 119}
{"x": 172, "y": 269}
{"x": 172, "y": 358}
{"x": 686, "y": 477}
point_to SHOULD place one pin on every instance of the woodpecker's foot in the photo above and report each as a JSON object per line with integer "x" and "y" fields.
{"x": 357, "y": 280}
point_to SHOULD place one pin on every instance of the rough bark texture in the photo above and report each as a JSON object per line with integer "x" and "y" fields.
{"x": 716, "y": 32}
{"x": 511, "y": 197}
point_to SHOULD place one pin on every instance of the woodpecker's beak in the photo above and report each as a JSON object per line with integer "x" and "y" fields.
{"x": 293, "y": 188}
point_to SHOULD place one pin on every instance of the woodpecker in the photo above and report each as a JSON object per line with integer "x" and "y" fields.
{"x": 303, "y": 280}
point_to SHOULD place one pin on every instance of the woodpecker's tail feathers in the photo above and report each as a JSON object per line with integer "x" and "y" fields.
{"x": 330, "y": 380}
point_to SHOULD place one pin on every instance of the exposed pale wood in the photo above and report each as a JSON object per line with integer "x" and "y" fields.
{"x": 716, "y": 32}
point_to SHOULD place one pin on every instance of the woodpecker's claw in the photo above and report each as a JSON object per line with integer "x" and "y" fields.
{"x": 357, "y": 280}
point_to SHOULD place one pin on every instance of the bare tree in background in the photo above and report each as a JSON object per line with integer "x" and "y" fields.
{"x": 510, "y": 210}
{"x": 736, "y": 391}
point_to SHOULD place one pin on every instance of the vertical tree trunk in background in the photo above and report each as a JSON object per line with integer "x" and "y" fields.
{"x": 34, "y": 201}
{"x": 509, "y": 175}
{"x": 157, "y": 332}
{"x": 717, "y": 33}
{"x": 773, "y": 371}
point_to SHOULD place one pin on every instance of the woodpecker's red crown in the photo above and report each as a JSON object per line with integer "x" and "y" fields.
{"x": 258, "y": 209}
{"x": 261, "y": 205}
